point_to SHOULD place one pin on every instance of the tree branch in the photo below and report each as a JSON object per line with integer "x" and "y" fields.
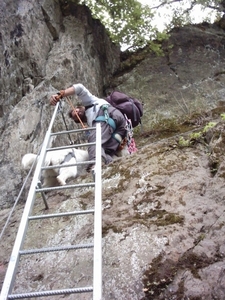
{"x": 165, "y": 3}
{"x": 220, "y": 7}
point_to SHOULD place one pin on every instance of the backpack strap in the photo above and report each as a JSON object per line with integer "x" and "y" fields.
{"x": 104, "y": 107}
{"x": 133, "y": 108}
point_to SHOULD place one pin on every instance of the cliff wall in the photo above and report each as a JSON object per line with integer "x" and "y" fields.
{"x": 163, "y": 207}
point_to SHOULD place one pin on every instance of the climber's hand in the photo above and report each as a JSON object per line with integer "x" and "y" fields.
{"x": 54, "y": 99}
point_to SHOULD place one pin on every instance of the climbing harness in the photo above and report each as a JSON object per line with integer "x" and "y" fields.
{"x": 110, "y": 121}
{"x": 128, "y": 140}
{"x": 106, "y": 118}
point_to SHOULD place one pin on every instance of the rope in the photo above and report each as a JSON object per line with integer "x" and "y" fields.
{"x": 73, "y": 108}
{"x": 18, "y": 197}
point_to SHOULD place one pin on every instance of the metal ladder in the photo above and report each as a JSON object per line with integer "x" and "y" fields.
{"x": 17, "y": 252}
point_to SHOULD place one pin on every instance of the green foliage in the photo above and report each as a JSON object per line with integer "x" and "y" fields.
{"x": 178, "y": 19}
{"x": 223, "y": 117}
{"x": 128, "y": 22}
{"x": 183, "y": 143}
{"x": 192, "y": 138}
{"x": 180, "y": 10}
{"x": 209, "y": 126}
{"x": 195, "y": 135}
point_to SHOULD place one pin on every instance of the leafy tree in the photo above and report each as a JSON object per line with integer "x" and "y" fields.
{"x": 130, "y": 23}
{"x": 218, "y": 5}
{"x": 181, "y": 10}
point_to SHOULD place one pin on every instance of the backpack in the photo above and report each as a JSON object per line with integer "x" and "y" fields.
{"x": 129, "y": 106}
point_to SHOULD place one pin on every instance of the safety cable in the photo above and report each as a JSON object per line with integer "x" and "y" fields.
{"x": 18, "y": 197}
{"x": 60, "y": 109}
{"x": 71, "y": 142}
{"x": 23, "y": 186}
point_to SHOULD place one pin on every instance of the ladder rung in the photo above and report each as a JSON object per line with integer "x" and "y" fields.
{"x": 51, "y": 293}
{"x": 69, "y": 165}
{"x": 64, "y": 187}
{"x": 54, "y": 249}
{"x": 70, "y": 146}
{"x": 72, "y": 131}
{"x": 81, "y": 212}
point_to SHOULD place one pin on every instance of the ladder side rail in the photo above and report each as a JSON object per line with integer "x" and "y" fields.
{"x": 97, "y": 270}
{"x": 14, "y": 259}
{"x": 51, "y": 293}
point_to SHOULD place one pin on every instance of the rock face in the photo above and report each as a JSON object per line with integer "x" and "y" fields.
{"x": 163, "y": 207}
{"x": 188, "y": 78}
{"x": 46, "y": 46}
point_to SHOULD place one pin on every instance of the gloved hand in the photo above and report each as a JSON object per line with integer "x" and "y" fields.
{"x": 56, "y": 98}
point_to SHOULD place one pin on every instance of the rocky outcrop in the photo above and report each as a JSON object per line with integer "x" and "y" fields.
{"x": 188, "y": 78}
{"x": 46, "y": 46}
{"x": 163, "y": 218}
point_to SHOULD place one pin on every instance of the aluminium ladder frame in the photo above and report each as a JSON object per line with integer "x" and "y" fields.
{"x": 34, "y": 188}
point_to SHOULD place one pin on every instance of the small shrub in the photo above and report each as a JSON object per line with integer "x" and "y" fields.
{"x": 209, "y": 126}
{"x": 223, "y": 117}
{"x": 183, "y": 143}
{"x": 195, "y": 135}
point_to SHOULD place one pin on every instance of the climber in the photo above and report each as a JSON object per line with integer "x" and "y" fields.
{"x": 95, "y": 110}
